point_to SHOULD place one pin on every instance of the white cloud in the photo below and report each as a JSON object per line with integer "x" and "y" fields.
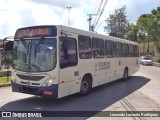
{"x": 20, "y": 13}
{"x": 134, "y": 8}
{"x": 60, "y": 3}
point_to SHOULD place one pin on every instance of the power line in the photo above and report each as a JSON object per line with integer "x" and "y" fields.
{"x": 96, "y": 6}
{"x": 98, "y": 11}
{"x": 100, "y": 5}
{"x": 100, "y": 8}
{"x": 104, "y": 5}
{"x": 100, "y": 25}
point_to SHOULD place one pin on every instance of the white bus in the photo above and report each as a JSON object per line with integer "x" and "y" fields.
{"x": 57, "y": 61}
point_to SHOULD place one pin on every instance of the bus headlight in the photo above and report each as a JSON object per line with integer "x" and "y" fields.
{"x": 13, "y": 79}
{"x": 49, "y": 82}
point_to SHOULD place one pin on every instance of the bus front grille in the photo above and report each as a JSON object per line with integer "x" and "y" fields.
{"x": 26, "y": 83}
{"x": 26, "y": 77}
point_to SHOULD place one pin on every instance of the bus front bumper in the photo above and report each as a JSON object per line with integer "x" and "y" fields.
{"x": 48, "y": 91}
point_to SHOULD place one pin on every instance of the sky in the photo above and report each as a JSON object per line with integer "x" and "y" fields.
{"x": 15, "y": 14}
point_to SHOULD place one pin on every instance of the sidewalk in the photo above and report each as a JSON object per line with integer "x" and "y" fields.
{"x": 4, "y": 73}
{"x": 156, "y": 64}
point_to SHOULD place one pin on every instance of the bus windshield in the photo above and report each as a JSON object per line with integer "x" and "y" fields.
{"x": 34, "y": 55}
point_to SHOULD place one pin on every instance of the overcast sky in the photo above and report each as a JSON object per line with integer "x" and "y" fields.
{"x": 15, "y": 14}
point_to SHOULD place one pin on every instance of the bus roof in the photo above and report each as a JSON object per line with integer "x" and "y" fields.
{"x": 94, "y": 34}
{"x": 79, "y": 32}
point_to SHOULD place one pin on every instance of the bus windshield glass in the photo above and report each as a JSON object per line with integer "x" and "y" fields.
{"x": 34, "y": 55}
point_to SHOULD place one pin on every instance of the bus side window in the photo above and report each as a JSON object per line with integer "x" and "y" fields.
{"x": 109, "y": 49}
{"x": 118, "y": 49}
{"x": 98, "y": 47}
{"x": 84, "y": 44}
{"x": 131, "y": 51}
{"x": 68, "y": 52}
{"x": 125, "y": 50}
{"x": 136, "y": 51}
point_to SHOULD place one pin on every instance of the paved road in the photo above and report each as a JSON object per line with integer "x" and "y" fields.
{"x": 145, "y": 97}
{"x": 139, "y": 93}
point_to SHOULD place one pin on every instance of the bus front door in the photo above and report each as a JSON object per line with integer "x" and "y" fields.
{"x": 68, "y": 74}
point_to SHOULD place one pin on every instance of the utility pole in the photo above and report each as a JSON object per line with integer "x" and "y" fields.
{"x": 68, "y": 13}
{"x": 91, "y": 28}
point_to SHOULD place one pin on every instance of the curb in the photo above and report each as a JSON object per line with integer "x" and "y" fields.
{"x": 5, "y": 84}
{"x": 5, "y": 73}
{"x": 156, "y": 64}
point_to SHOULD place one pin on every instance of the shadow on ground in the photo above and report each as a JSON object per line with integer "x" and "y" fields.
{"x": 100, "y": 98}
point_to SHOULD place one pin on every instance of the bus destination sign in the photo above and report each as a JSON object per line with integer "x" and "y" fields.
{"x": 36, "y": 32}
{"x": 32, "y": 32}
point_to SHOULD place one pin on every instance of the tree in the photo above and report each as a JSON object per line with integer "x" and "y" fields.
{"x": 149, "y": 24}
{"x": 142, "y": 39}
{"x": 132, "y": 33}
{"x": 156, "y": 32}
{"x": 156, "y": 11}
{"x": 117, "y": 22}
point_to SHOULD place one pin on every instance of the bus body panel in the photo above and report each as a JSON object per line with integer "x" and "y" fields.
{"x": 99, "y": 71}
{"x": 67, "y": 80}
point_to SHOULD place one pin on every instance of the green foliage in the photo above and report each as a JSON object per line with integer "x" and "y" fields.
{"x": 117, "y": 22}
{"x": 158, "y": 60}
{"x": 149, "y": 26}
{"x": 132, "y": 33}
{"x": 146, "y": 29}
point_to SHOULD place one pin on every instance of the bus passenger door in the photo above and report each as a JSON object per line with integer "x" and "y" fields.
{"x": 68, "y": 74}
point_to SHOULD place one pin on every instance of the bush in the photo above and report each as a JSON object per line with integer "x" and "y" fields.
{"x": 158, "y": 60}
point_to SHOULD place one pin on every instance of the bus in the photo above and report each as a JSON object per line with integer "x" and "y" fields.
{"x": 56, "y": 61}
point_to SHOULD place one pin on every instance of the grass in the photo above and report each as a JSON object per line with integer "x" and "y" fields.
{"x": 4, "y": 79}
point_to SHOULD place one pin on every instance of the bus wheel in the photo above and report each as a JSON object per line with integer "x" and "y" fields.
{"x": 86, "y": 86}
{"x": 125, "y": 74}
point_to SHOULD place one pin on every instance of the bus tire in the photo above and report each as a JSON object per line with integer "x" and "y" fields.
{"x": 86, "y": 86}
{"x": 125, "y": 74}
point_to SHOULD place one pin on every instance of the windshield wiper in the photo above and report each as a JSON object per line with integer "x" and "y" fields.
{"x": 28, "y": 48}
{"x": 41, "y": 41}
{"x": 23, "y": 42}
